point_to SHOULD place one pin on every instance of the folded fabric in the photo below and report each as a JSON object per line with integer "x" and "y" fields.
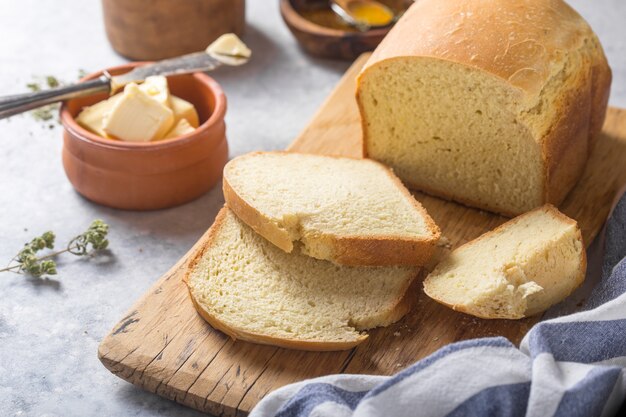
{"x": 570, "y": 366}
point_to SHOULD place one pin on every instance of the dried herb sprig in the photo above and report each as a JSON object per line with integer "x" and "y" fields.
{"x": 52, "y": 81}
{"x": 26, "y": 261}
{"x": 34, "y": 87}
{"x": 94, "y": 239}
{"x": 44, "y": 113}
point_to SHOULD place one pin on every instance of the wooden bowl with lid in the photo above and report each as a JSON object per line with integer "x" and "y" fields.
{"x": 153, "y": 175}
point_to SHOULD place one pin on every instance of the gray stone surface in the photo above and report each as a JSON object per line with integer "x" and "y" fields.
{"x": 50, "y": 330}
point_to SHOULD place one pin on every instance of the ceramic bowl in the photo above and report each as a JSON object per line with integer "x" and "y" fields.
{"x": 325, "y": 42}
{"x": 153, "y": 175}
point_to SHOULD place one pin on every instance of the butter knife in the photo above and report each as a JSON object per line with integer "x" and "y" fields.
{"x": 106, "y": 83}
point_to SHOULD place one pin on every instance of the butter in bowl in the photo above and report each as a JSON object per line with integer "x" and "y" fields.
{"x": 141, "y": 113}
{"x": 148, "y": 112}
{"x": 157, "y": 143}
{"x": 151, "y": 146}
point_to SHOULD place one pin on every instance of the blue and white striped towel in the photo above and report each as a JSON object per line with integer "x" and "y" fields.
{"x": 570, "y": 366}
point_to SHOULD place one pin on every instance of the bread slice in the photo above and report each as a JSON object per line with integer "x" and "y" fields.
{"x": 251, "y": 290}
{"x": 492, "y": 103}
{"x": 349, "y": 211}
{"x": 516, "y": 270}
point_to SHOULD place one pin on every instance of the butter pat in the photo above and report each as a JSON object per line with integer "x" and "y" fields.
{"x": 137, "y": 117}
{"x": 184, "y": 110}
{"x": 141, "y": 113}
{"x": 229, "y": 44}
{"x": 156, "y": 87}
{"x": 182, "y": 128}
{"x": 91, "y": 118}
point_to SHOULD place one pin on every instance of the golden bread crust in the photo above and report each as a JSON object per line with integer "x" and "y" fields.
{"x": 516, "y": 41}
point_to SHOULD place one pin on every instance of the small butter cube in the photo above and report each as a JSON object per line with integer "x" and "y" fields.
{"x": 137, "y": 117}
{"x": 182, "y": 128}
{"x": 156, "y": 87}
{"x": 184, "y": 110}
{"x": 229, "y": 44}
{"x": 91, "y": 117}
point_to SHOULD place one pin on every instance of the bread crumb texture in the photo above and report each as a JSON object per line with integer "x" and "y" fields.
{"x": 314, "y": 200}
{"x": 257, "y": 292}
{"x": 517, "y": 270}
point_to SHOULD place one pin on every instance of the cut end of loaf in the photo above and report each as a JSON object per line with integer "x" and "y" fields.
{"x": 348, "y": 211}
{"x": 251, "y": 290}
{"x": 517, "y": 270}
{"x": 452, "y": 131}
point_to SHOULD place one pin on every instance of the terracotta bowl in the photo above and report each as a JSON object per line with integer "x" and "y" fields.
{"x": 328, "y": 42}
{"x": 154, "y": 175}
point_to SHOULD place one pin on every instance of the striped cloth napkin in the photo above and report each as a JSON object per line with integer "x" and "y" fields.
{"x": 570, "y": 366}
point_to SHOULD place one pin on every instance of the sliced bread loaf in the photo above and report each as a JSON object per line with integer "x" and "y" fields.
{"x": 251, "y": 290}
{"x": 492, "y": 103}
{"x": 516, "y": 270}
{"x": 349, "y": 211}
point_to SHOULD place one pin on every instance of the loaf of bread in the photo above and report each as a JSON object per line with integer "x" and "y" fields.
{"x": 349, "y": 211}
{"x": 492, "y": 103}
{"x": 251, "y": 290}
{"x": 516, "y": 270}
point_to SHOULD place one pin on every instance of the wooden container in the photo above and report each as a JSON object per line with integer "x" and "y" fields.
{"x": 158, "y": 29}
{"x": 332, "y": 42}
{"x": 153, "y": 175}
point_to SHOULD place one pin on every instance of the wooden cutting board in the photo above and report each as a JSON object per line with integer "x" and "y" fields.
{"x": 163, "y": 346}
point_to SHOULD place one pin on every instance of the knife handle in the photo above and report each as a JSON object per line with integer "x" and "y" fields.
{"x": 19, "y": 103}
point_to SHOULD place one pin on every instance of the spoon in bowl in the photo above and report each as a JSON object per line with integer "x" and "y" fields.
{"x": 363, "y": 14}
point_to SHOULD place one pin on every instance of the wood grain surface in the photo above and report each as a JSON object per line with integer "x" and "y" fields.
{"x": 163, "y": 346}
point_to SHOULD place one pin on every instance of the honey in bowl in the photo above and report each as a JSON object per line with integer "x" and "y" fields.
{"x": 370, "y": 13}
{"x": 324, "y": 16}
{"x": 366, "y": 13}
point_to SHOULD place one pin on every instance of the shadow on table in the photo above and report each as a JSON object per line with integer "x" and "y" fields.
{"x": 185, "y": 222}
{"x": 152, "y": 404}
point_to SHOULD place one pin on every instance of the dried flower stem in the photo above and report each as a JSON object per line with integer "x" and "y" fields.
{"x": 92, "y": 240}
{"x": 40, "y": 258}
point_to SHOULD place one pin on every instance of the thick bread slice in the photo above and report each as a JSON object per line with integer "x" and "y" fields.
{"x": 516, "y": 270}
{"x": 251, "y": 290}
{"x": 349, "y": 211}
{"x": 492, "y": 103}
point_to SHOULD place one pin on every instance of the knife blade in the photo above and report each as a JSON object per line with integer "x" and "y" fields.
{"x": 195, "y": 62}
